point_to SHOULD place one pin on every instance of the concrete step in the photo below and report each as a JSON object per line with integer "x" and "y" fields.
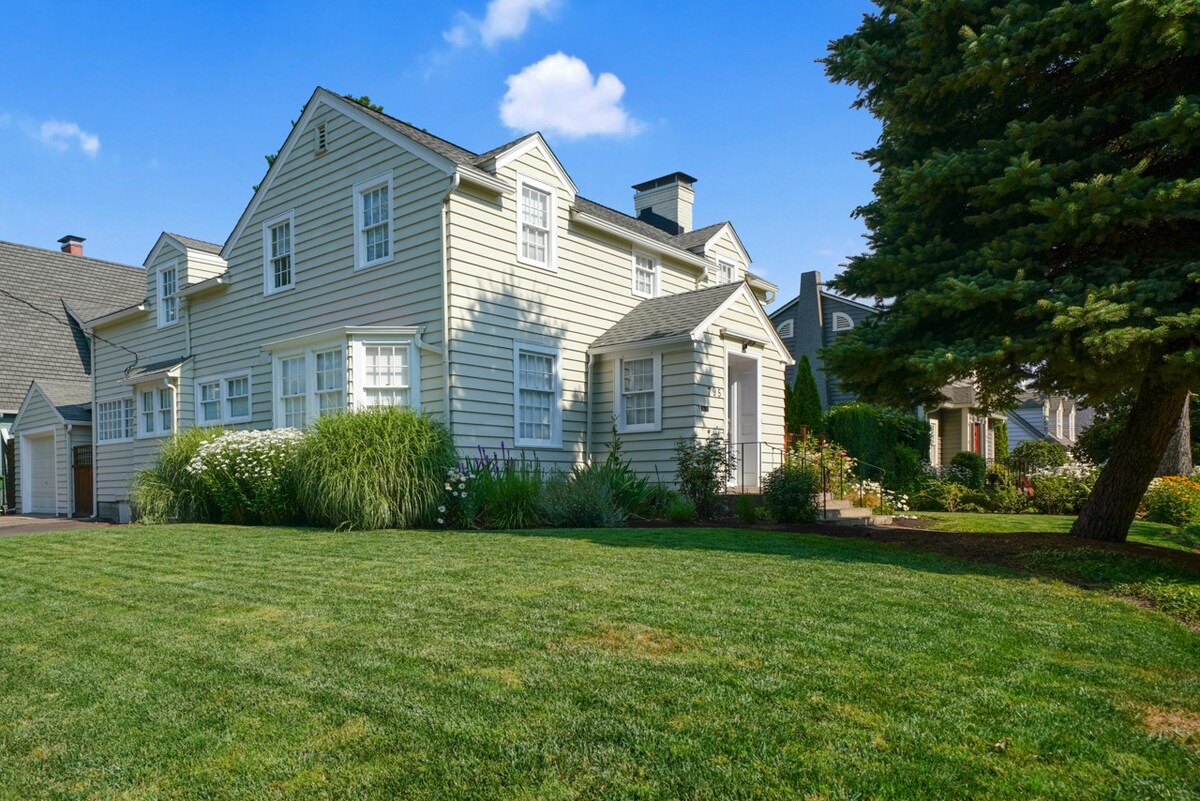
{"x": 849, "y": 513}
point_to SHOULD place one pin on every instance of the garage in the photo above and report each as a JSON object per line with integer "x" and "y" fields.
{"x": 42, "y": 478}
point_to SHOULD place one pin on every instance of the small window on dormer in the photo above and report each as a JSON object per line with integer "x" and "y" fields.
{"x": 725, "y": 271}
{"x": 168, "y": 303}
{"x": 320, "y": 140}
{"x": 842, "y": 322}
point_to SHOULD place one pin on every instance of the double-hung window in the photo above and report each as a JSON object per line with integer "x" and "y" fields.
{"x": 387, "y": 377}
{"x": 537, "y": 395}
{"x": 156, "y": 411}
{"x": 725, "y": 271}
{"x": 535, "y": 224}
{"x": 309, "y": 383}
{"x": 293, "y": 391}
{"x": 645, "y": 275}
{"x": 114, "y": 420}
{"x": 638, "y": 381}
{"x": 278, "y": 246}
{"x": 373, "y": 221}
{"x": 330, "y": 379}
{"x": 224, "y": 399}
{"x": 168, "y": 304}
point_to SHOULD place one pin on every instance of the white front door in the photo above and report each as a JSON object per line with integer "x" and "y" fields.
{"x": 743, "y": 416}
{"x": 39, "y": 451}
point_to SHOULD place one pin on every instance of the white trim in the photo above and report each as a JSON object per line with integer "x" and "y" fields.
{"x": 222, "y": 382}
{"x": 619, "y": 392}
{"x": 721, "y": 261}
{"x": 744, "y": 291}
{"x": 738, "y": 353}
{"x": 160, "y": 296}
{"x": 843, "y": 299}
{"x": 556, "y": 421}
{"x": 673, "y": 252}
{"x": 356, "y": 390}
{"x": 308, "y": 353}
{"x": 99, "y": 429}
{"x": 24, "y": 403}
{"x": 551, "y": 263}
{"x": 347, "y": 331}
{"x": 728, "y": 229}
{"x": 154, "y": 387}
{"x": 536, "y": 142}
{"x": 115, "y": 317}
{"x": 26, "y": 473}
{"x": 840, "y": 321}
{"x": 786, "y": 329}
{"x": 350, "y": 109}
{"x": 289, "y": 217}
{"x": 359, "y": 189}
{"x": 655, "y": 281}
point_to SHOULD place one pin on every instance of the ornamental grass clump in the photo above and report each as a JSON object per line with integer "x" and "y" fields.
{"x": 248, "y": 474}
{"x": 373, "y": 469}
{"x": 168, "y": 492}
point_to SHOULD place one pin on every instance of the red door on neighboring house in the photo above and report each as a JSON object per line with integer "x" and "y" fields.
{"x": 977, "y": 437}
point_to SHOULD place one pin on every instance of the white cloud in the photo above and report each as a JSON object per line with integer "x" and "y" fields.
{"x": 62, "y": 136}
{"x": 559, "y": 95}
{"x": 503, "y": 19}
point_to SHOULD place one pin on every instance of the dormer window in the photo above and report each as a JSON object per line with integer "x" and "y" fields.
{"x": 535, "y": 217}
{"x": 373, "y": 222}
{"x": 645, "y": 275}
{"x": 278, "y": 266}
{"x": 725, "y": 271}
{"x": 168, "y": 304}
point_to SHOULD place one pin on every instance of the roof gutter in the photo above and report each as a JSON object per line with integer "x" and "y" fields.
{"x": 480, "y": 179}
{"x": 645, "y": 242}
{"x": 620, "y": 347}
{"x": 203, "y": 287}
{"x": 115, "y": 317}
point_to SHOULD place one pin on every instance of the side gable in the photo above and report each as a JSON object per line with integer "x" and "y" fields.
{"x": 36, "y": 402}
{"x": 745, "y": 295}
{"x": 530, "y": 145}
{"x": 726, "y": 239}
{"x": 323, "y": 98}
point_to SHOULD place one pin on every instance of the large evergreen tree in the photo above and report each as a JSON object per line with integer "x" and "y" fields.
{"x": 802, "y": 400}
{"x": 1037, "y": 212}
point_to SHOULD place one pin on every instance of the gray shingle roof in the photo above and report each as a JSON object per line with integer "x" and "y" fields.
{"x": 666, "y": 317}
{"x": 73, "y": 399}
{"x": 153, "y": 367}
{"x": 694, "y": 239}
{"x": 44, "y": 342}
{"x": 197, "y": 244}
{"x": 484, "y": 158}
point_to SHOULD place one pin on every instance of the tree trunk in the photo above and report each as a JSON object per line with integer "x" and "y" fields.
{"x": 1109, "y": 510}
{"x": 1177, "y": 461}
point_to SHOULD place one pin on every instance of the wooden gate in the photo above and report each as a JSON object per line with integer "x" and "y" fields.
{"x": 81, "y": 467}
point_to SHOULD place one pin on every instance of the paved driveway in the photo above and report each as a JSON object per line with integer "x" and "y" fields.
{"x": 11, "y": 525}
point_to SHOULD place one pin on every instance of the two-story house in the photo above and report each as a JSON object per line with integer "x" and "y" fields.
{"x": 816, "y": 317}
{"x": 377, "y": 264}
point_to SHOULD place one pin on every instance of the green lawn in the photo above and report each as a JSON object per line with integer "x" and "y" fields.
{"x": 215, "y": 662}
{"x": 989, "y": 523}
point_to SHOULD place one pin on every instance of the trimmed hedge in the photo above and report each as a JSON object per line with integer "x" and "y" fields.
{"x": 881, "y": 436}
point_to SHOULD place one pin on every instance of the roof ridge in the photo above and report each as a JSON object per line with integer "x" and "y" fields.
{"x": 390, "y": 118}
{"x": 59, "y": 253}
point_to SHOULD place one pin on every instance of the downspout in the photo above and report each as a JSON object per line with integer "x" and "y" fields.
{"x": 587, "y": 405}
{"x": 454, "y": 182}
{"x": 95, "y": 434}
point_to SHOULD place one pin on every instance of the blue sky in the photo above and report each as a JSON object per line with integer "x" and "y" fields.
{"x": 118, "y": 121}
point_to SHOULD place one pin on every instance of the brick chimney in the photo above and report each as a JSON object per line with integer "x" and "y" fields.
{"x": 72, "y": 244}
{"x": 666, "y": 202}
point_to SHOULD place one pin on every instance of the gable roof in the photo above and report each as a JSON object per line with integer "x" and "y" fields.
{"x": 72, "y": 399}
{"x": 690, "y": 240}
{"x": 669, "y": 317}
{"x": 197, "y": 244}
{"x": 41, "y": 291}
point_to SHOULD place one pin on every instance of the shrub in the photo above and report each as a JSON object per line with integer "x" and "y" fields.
{"x": 703, "y": 470}
{"x": 973, "y": 467}
{"x": 1174, "y": 500}
{"x": 878, "y": 435}
{"x": 374, "y": 468}
{"x": 583, "y": 499}
{"x": 1038, "y": 454}
{"x": 790, "y": 493}
{"x": 505, "y": 490}
{"x": 169, "y": 492}
{"x": 628, "y": 489}
{"x": 1000, "y": 439}
{"x": 1004, "y": 497}
{"x": 658, "y": 500}
{"x": 1189, "y": 535}
{"x": 1059, "y": 493}
{"x": 248, "y": 474}
{"x": 745, "y": 509}
{"x": 682, "y": 510}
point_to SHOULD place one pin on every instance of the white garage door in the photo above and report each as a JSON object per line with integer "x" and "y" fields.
{"x": 40, "y": 452}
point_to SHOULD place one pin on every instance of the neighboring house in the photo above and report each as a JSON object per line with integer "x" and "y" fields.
{"x": 45, "y": 365}
{"x": 1053, "y": 418}
{"x": 816, "y": 317}
{"x": 377, "y": 264}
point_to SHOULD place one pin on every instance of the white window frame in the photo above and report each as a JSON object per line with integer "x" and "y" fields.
{"x": 721, "y": 264}
{"x": 358, "y": 349}
{"x": 360, "y": 242}
{"x": 222, "y": 382}
{"x": 308, "y": 353}
{"x": 156, "y": 410}
{"x": 130, "y": 420}
{"x": 269, "y": 287}
{"x": 551, "y": 263}
{"x": 555, "y": 440}
{"x": 655, "y": 277}
{"x": 787, "y": 329}
{"x": 840, "y": 321}
{"x": 619, "y": 392}
{"x": 165, "y": 299}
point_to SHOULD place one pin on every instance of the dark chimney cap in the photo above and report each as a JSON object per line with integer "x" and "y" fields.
{"x": 71, "y": 238}
{"x": 666, "y": 180}
{"x": 72, "y": 244}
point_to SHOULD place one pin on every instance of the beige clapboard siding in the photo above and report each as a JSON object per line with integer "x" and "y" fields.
{"x": 229, "y": 327}
{"x": 39, "y": 414}
{"x": 495, "y": 301}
